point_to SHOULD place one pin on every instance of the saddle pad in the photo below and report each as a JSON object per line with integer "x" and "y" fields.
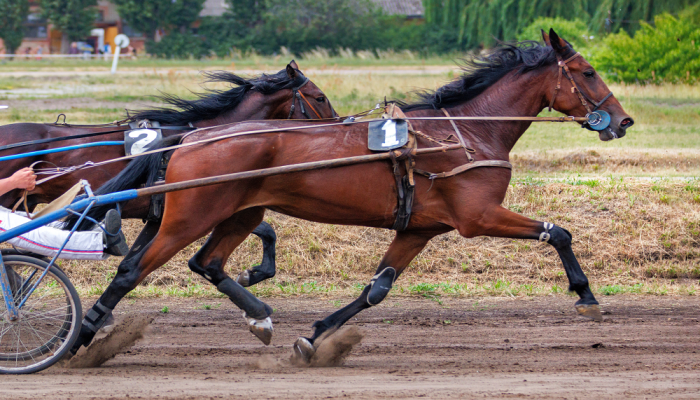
{"x": 387, "y": 134}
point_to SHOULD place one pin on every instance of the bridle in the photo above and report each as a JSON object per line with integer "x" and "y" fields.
{"x": 297, "y": 95}
{"x": 598, "y": 120}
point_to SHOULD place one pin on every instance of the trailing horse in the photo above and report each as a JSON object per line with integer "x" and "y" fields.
{"x": 286, "y": 94}
{"x": 513, "y": 80}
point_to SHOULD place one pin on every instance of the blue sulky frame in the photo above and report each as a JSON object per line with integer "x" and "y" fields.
{"x": 80, "y": 207}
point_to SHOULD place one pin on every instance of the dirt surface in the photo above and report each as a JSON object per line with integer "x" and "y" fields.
{"x": 647, "y": 347}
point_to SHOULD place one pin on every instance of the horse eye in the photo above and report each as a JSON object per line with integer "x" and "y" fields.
{"x": 589, "y": 74}
{"x": 320, "y": 99}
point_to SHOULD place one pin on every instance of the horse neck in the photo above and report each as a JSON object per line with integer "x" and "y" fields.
{"x": 513, "y": 95}
{"x": 254, "y": 106}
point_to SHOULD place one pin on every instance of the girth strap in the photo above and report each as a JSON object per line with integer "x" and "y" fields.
{"x": 465, "y": 167}
{"x": 404, "y": 186}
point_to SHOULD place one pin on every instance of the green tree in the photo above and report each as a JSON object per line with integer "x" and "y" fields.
{"x": 475, "y": 23}
{"x": 148, "y": 16}
{"x": 575, "y": 32}
{"x": 667, "y": 51}
{"x": 74, "y": 18}
{"x": 301, "y": 25}
{"x": 13, "y": 13}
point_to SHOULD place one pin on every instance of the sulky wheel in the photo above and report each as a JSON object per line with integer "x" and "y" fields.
{"x": 48, "y": 323}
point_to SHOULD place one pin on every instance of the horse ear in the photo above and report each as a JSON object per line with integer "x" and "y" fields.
{"x": 294, "y": 65}
{"x": 545, "y": 37}
{"x": 291, "y": 72}
{"x": 558, "y": 44}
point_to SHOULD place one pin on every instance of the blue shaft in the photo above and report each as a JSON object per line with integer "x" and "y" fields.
{"x": 58, "y": 214}
{"x": 60, "y": 149}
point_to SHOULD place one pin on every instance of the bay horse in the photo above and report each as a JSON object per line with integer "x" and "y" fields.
{"x": 513, "y": 80}
{"x": 268, "y": 96}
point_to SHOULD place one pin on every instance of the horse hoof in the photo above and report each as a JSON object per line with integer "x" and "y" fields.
{"x": 591, "y": 311}
{"x": 303, "y": 350}
{"x": 244, "y": 278}
{"x": 260, "y": 328}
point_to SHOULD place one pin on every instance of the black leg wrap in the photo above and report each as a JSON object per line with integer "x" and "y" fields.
{"x": 380, "y": 285}
{"x": 244, "y": 300}
{"x": 266, "y": 269}
{"x": 96, "y": 317}
{"x": 93, "y": 321}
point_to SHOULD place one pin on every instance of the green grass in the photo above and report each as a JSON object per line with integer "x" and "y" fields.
{"x": 436, "y": 292}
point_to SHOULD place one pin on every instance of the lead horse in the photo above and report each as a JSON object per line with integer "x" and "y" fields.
{"x": 514, "y": 80}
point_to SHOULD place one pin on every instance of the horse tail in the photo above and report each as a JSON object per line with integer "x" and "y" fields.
{"x": 140, "y": 171}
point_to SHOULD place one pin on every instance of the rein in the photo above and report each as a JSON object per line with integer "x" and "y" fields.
{"x": 295, "y": 128}
{"x": 297, "y": 94}
{"x": 83, "y": 135}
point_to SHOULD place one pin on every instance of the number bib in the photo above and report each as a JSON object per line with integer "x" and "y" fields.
{"x": 387, "y": 134}
{"x": 138, "y": 141}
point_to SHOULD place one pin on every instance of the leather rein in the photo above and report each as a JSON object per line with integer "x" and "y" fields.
{"x": 298, "y": 95}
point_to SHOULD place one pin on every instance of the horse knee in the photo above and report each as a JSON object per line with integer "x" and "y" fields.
{"x": 557, "y": 236}
{"x": 211, "y": 272}
{"x": 380, "y": 285}
{"x": 265, "y": 232}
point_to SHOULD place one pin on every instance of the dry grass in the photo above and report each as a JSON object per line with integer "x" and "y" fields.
{"x": 627, "y": 234}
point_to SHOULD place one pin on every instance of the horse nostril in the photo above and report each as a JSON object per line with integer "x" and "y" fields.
{"x": 626, "y": 123}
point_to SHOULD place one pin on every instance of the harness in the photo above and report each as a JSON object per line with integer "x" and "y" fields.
{"x": 597, "y": 120}
{"x": 405, "y": 184}
{"x": 297, "y": 95}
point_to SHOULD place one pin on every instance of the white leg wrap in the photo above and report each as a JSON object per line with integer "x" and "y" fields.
{"x": 544, "y": 236}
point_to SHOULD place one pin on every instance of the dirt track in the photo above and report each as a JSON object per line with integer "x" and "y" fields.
{"x": 647, "y": 347}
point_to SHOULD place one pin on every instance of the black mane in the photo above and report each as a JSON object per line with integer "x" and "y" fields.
{"x": 480, "y": 72}
{"x": 213, "y": 103}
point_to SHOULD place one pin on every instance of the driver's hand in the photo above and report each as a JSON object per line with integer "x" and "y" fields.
{"x": 24, "y": 179}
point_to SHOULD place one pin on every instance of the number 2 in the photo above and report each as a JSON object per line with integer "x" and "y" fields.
{"x": 139, "y": 146}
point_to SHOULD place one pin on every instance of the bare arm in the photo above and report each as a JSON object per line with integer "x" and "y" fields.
{"x": 22, "y": 179}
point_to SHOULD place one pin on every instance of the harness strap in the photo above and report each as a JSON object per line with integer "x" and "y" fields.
{"x": 310, "y": 106}
{"x": 459, "y": 136}
{"x": 464, "y": 168}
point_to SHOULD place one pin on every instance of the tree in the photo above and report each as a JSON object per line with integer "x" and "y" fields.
{"x": 477, "y": 23}
{"x": 665, "y": 52}
{"x": 13, "y": 13}
{"x": 148, "y": 16}
{"x": 74, "y": 18}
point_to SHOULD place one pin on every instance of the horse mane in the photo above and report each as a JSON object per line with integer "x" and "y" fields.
{"x": 212, "y": 103}
{"x": 482, "y": 71}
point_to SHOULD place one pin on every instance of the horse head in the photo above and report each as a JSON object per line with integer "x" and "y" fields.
{"x": 306, "y": 99}
{"x": 578, "y": 90}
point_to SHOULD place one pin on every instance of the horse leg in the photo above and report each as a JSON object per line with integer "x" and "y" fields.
{"x": 501, "y": 222}
{"x": 266, "y": 269}
{"x": 172, "y": 237}
{"x": 210, "y": 260}
{"x": 404, "y": 248}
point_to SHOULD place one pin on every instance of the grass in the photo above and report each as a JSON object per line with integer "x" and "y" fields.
{"x": 438, "y": 294}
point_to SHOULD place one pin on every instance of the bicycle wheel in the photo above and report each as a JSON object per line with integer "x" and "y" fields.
{"x": 48, "y": 323}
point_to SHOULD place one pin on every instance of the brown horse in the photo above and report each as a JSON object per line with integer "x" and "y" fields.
{"x": 514, "y": 80}
{"x": 286, "y": 94}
